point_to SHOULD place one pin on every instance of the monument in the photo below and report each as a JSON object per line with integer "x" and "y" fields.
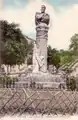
{"x": 40, "y": 76}
{"x": 40, "y": 45}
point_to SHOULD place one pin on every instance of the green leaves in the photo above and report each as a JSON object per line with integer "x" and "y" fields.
{"x": 66, "y": 56}
{"x": 15, "y": 44}
{"x": 74, "y": 44}
{"x": 71, "y": 83}
{"x": 53, "y": 57}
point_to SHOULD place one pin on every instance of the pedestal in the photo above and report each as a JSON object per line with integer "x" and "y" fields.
{"x": 40, "y": 49}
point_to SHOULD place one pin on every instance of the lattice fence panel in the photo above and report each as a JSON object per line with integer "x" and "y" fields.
{"x": 22, "y": 101}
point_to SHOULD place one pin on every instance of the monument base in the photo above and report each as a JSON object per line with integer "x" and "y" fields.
{"x": 41, "y": 80}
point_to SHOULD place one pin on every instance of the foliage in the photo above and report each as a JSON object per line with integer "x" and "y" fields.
{"x": 74, "y": 44}
{"x": 29, "y": 60}
{"x": 30, "y": 48}
{"x": 15, "y": 44}
{"x": 77, "y": 83}
{"x": 53, "y": 57}
{"x": 66, "y": 57}
{"x": 6, "y": 81}
{"x": 71, "y": 83}
{"x": 30, "y": 53}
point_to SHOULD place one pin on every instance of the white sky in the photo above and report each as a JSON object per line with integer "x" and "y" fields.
{"x": 63, "y": 24}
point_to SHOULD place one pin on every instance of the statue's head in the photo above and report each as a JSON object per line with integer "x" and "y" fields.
{"x": 43, "y": 8}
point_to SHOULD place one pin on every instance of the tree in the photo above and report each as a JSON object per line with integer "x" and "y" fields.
{"x": 53, "y": 57}
{"x": 71, "y": 83}
{"x": 14, "y": 43}
{"x": 49, "y": 58}
{"x": 74, "y": 44}
{"x": 66, "y": 57}
{"x": 30, "y": 53}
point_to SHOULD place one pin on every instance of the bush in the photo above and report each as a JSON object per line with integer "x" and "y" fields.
{"x": 29, "y": 60}
{"x": 71, "y": 83}
{"x": 6, "y": 81}
{"x": 77, "y": 83}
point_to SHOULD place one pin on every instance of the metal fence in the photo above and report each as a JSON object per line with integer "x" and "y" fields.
{"x": 25, "y": 100}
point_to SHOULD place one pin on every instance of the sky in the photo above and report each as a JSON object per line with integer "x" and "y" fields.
{"x": 63, "y": 18}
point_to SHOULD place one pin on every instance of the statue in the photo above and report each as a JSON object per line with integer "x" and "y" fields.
{"x": 40, "y": 46}
{"x": 44, "y": 78}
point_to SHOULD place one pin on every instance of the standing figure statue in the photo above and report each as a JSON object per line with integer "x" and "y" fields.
{"x": 40, "y": 46}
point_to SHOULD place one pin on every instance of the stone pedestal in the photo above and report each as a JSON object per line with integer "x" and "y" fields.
{"x": 41, "y": 80}
{"x": 40, "y": 49}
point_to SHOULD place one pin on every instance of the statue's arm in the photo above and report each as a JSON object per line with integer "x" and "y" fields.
{"x": 48, "y": 19}
{"x": 38, "y": 17}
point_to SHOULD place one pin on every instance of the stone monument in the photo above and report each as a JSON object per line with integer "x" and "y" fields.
{"x": 40, "y": 75}
{"x": 40, "y": 45}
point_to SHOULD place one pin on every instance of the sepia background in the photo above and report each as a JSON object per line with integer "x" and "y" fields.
{"x": 63, "y": 25}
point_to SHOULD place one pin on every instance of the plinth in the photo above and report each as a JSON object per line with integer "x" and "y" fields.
{"x": 41, "y": 80}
